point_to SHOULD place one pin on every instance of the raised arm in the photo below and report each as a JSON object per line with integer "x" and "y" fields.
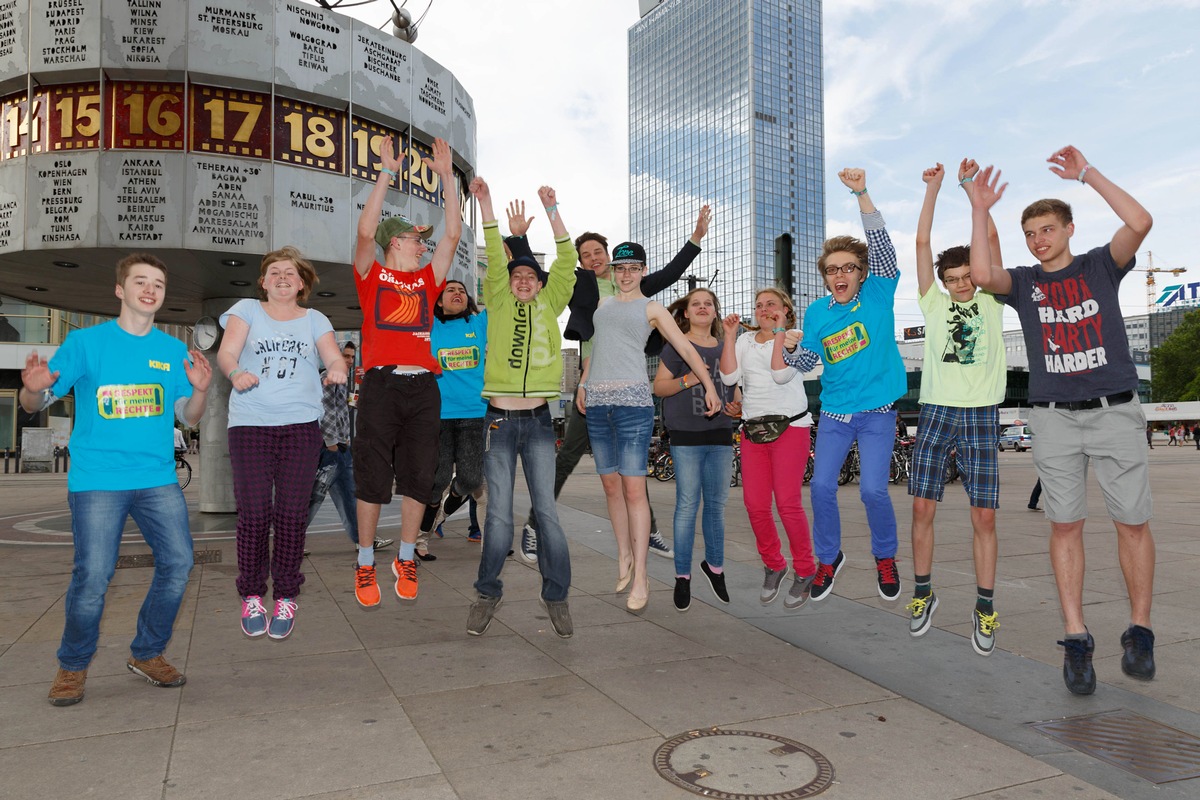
{"x": 730, "y": 373}
{"x": 496, "y": 280}
{"x": 659, "y": 280}
{"x": 199, "y": 375}
{"x": 36, "y": 380}
{"x": 1068, "y": 163}
{"x": 560, "y": 282}
{"x": 933, "y": 184}
{"x": 443, "y": 254}
{"x": 661, "y": 319}
{"x": 985, "y": 272}
{"x": 855, "y": 180}
{"x": 368, "y": 220}
{"x": 967, "y": 171}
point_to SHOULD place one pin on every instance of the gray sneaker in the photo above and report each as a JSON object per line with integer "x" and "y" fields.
{"x": 798, "y": 594}
{"x": 921, "y": 614}
{"x": 482, "y": 611}
{"x": 560, "y": 617}
{"x": 771, "y": 581}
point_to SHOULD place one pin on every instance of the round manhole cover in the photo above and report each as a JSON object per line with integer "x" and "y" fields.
{"x": 743, "y": 765}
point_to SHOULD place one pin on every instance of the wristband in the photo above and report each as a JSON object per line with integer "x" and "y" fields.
{"x": 391, "y": 172}
{"x": 966, "y": 180}
{"x": 234, "y": 372}
{"x": 1083, "y": 172}
{"x": 550, "y": 209}
{"x": 779, "y": 330}
{"x": 683, "y": 383}
{"x": 858, "y": 194}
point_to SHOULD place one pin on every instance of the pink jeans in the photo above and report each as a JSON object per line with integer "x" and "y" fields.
{"x": 778, "y": 469}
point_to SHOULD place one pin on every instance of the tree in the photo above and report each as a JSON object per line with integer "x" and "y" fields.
{"x": 1175, "y": 364}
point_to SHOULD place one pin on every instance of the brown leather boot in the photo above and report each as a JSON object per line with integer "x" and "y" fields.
{"x": 67, "y": 689}
{"x": 157, "y": 671}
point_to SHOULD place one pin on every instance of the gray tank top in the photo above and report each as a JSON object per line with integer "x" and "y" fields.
{"x": 617, "y": 374}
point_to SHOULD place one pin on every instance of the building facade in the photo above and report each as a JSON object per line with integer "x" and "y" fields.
{"x": 726, "y": 108}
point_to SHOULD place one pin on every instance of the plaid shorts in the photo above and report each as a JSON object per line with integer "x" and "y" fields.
{"x": 975, "y": 433}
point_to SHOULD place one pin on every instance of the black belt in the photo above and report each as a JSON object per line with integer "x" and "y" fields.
{"x": 519, "y": 412}
{"x": 1083, "y": 405}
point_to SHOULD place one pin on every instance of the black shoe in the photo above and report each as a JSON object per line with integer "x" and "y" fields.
{"x": 716, "y": 582}
{"x": 1033, "y": 508}
{"x": 889, "y": 578}
{"x": 683, "y": 594}
{"x": 1078, "y": 673}
{"x": 822, "y": 583}
{"x": 1138, "y": 661}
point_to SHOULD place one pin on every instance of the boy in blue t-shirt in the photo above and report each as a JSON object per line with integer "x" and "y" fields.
{"x": 853, "y": 332}
{"x": 131, "y": 382}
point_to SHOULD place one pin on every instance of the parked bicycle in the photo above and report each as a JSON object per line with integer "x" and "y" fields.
{"x": 851, "y": 467}
{"x": 183, "y": 470}
{"x": 901, "y": 459}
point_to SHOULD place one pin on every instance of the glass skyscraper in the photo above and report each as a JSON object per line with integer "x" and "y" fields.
{"x": 726, "y": 107}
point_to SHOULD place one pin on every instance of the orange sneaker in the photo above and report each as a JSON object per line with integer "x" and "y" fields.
{"x": 366, "y": 590}
{"x": 406, "y": 578}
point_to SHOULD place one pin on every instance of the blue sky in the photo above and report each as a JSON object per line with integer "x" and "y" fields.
{"x": 907, "y": 83}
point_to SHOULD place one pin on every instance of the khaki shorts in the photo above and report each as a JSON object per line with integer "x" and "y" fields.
{"x": 1110, "y": 439}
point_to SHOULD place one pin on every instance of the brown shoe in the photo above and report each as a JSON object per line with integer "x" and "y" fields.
{"x": 67, "y": 689}
{"x": 157, "y": 671}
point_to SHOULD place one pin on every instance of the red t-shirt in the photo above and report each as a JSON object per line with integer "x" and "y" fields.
{"x": 397, "y": 316}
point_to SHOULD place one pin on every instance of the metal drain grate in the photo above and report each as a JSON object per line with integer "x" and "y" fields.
{"x": 1148, "y": 749}
{"x": 147, "y": 559}
{"x": 743, "y": 765}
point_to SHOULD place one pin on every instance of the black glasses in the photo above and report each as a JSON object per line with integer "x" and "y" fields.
{"x": 844, "y": 268}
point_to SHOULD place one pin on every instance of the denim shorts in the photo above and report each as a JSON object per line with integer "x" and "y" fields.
{"x": 620, "y": 438}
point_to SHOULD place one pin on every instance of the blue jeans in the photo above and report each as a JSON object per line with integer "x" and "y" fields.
{"x": 532, "y": 438}
{"x": 876, "y": 433}
{"x": 701, "y": 471}
{"x": 335, "y": 477}
{"x": 97, "y": 519}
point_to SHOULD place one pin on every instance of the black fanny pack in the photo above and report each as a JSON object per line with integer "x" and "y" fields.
{"x": 768, "y": 428}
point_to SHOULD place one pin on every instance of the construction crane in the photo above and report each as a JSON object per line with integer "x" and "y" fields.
{"x": 1150, "y": 271}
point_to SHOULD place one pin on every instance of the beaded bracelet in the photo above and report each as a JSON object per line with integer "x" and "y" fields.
{"x": 858, "y": 194}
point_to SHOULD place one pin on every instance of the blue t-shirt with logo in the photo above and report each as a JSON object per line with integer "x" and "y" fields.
{"x": 459, "y": 346}
{"x": 125, "y": 392}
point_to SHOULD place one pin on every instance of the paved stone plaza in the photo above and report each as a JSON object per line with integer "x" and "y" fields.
{"x": 398, "y": 702}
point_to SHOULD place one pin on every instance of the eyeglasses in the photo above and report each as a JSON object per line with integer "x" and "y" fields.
{"x": 844, "y": 268}
{"x": 628, "y": 269}
{"x": 410, "y": 238}
{"x": 951, "y": 280}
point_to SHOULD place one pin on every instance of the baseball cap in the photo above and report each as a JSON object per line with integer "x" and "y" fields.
{"x": 395, "y": 226}
{"x": 628, "y": 253}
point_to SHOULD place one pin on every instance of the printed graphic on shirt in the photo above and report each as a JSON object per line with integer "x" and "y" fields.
{"x": 965, "y": 344}
{"x": 456, "y": 358}
{"x": 1072, "y": 335}
{"x": 279, "y": 356}
{"x": 159, "y": 365}
{"x": 401, "y": 305}
{"x": 127, "y": 401}
{"x": 845, "y": 343}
